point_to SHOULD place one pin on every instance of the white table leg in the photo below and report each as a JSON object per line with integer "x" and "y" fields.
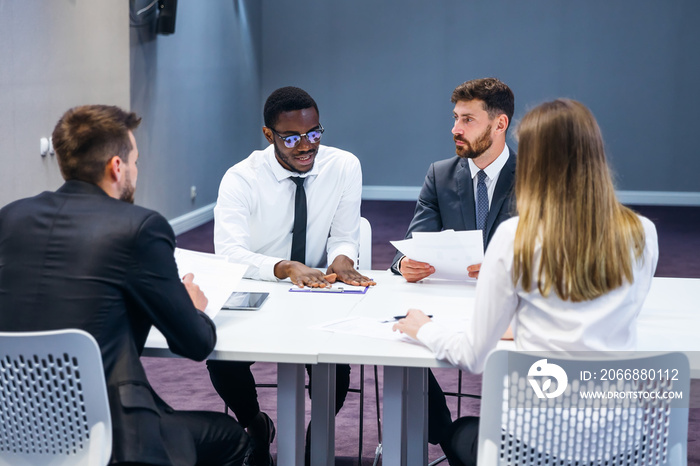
{"x": 405, "y": 419}
{"x": 290, "y": 414}
{"x": 323, "y": 415}
{"x": 417, "y": 416}
{"x": 393, "y": 429}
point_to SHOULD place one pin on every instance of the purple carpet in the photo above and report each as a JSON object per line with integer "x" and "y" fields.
{"x": 185, "y": 384}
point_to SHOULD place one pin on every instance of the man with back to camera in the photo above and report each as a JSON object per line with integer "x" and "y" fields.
{"x": 284, "y": 211}
{"x": 471, "y": 191}
{"x": 85, "y": 257}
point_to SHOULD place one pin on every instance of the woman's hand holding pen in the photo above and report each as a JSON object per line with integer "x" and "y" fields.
{"x": 413, "y": 321}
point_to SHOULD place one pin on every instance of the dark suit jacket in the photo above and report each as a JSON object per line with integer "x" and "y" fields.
{"x": 78, "y": 258}
{"x": 446, "y": 201}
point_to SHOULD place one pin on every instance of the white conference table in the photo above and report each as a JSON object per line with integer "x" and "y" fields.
{"x": 281, "y": 332}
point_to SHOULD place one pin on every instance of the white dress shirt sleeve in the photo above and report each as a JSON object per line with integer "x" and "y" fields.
{"x": 344, "y": 236}
{"x": 231, "y": 227}
{"x": 494, "y": 307}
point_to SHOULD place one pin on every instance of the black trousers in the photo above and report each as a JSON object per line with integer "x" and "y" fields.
{"x": 203, "y": 438}
{"x": 235, "y": 384}
{"x": 439, "y": 416}
{"x": 463, "y": 441}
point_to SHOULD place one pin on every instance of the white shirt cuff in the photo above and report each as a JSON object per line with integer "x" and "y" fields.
{"x": 344, "y": 250}
{"x": 430, "y": 334}
{"x": 267, "y": 269}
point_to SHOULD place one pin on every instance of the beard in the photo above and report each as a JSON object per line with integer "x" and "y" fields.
{"x": 472, "y": 150}
{"x": 127, "y": 194}
{"x": 287, "y": 161}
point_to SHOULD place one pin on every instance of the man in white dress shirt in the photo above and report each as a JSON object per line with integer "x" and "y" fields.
{"x": 256, "y": 222}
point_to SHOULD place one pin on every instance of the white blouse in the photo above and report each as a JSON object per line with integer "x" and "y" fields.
{"x": 607, "y": 323}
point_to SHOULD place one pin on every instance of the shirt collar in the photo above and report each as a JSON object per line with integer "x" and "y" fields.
{"x": 282, "y": 173}
{"x": 494, "y": 167}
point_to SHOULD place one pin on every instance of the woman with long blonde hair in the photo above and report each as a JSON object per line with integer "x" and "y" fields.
{"x": 570, "y": 271}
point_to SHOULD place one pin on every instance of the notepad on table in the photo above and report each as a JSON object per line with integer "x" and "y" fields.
{"x": 338, "y": 287}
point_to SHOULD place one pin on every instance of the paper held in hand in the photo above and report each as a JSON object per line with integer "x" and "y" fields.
{"x": 449, "y": 251}
{"x": 216, "y": 277}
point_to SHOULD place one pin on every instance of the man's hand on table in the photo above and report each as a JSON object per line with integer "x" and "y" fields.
{"x": 301, "y": 275}
{"x": 344, "y": 270}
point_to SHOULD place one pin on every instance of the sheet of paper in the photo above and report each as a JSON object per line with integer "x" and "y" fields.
{"x": 364, "y": 326}
{"x": 382, "y": 328}
{"x": 216, "y": 277}
{"x": 449, "y": 251}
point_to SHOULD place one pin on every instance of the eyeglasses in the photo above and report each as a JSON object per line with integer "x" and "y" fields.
{"x": 313, "y": 136}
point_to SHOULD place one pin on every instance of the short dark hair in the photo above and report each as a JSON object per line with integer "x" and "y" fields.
{"x": 286, "y": 99}
{"x": 87, "y": 137}
{"x": 497, "y": 96}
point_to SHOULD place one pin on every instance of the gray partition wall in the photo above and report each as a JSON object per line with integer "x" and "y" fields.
{"x": 383, "y": 71}
{"x": 54, "y": 55}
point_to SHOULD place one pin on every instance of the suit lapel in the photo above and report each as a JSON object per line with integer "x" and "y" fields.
{"x": 503, "y": 190}
{"x": 465, "y": 188}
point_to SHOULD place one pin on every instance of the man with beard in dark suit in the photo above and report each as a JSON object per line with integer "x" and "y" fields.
{"x": 471, "y": 191}
{"x": 85, "y": 257}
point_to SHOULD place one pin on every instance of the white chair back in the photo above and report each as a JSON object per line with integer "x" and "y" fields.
{"x": 528, "y": 418}
{"x": 364, "y": 260}
{"x": 54, "y": 408}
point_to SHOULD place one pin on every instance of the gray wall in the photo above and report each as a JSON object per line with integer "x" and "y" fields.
{"x": 382, "y": 73}
{"x": 54, "y": 55}
{"x": 198, "y": 92}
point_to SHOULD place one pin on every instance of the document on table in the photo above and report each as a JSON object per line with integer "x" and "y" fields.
{"x": 216, "y": 276}
{"x": 337, "y": 287}
{"x": 449, "y": 251}
{"x": 382, "y": 328}
{"x": 363, "y": 326}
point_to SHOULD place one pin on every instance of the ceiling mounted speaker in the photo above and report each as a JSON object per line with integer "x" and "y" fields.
{"x": 167, "y": 10}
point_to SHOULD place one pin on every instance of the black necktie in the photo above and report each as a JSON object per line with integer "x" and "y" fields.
{"x": 299, "y": 230}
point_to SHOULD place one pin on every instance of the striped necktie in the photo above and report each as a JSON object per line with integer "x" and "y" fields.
{"x": 482, "y": 203}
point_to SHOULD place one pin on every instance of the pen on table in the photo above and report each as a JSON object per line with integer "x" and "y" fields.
{"x": 338, "y": 289}
{"x": 395, "y": 318}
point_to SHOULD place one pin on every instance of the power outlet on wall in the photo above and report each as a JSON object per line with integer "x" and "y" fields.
{"x": 44, "y": 145}
{"x": 193, "y": 193}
